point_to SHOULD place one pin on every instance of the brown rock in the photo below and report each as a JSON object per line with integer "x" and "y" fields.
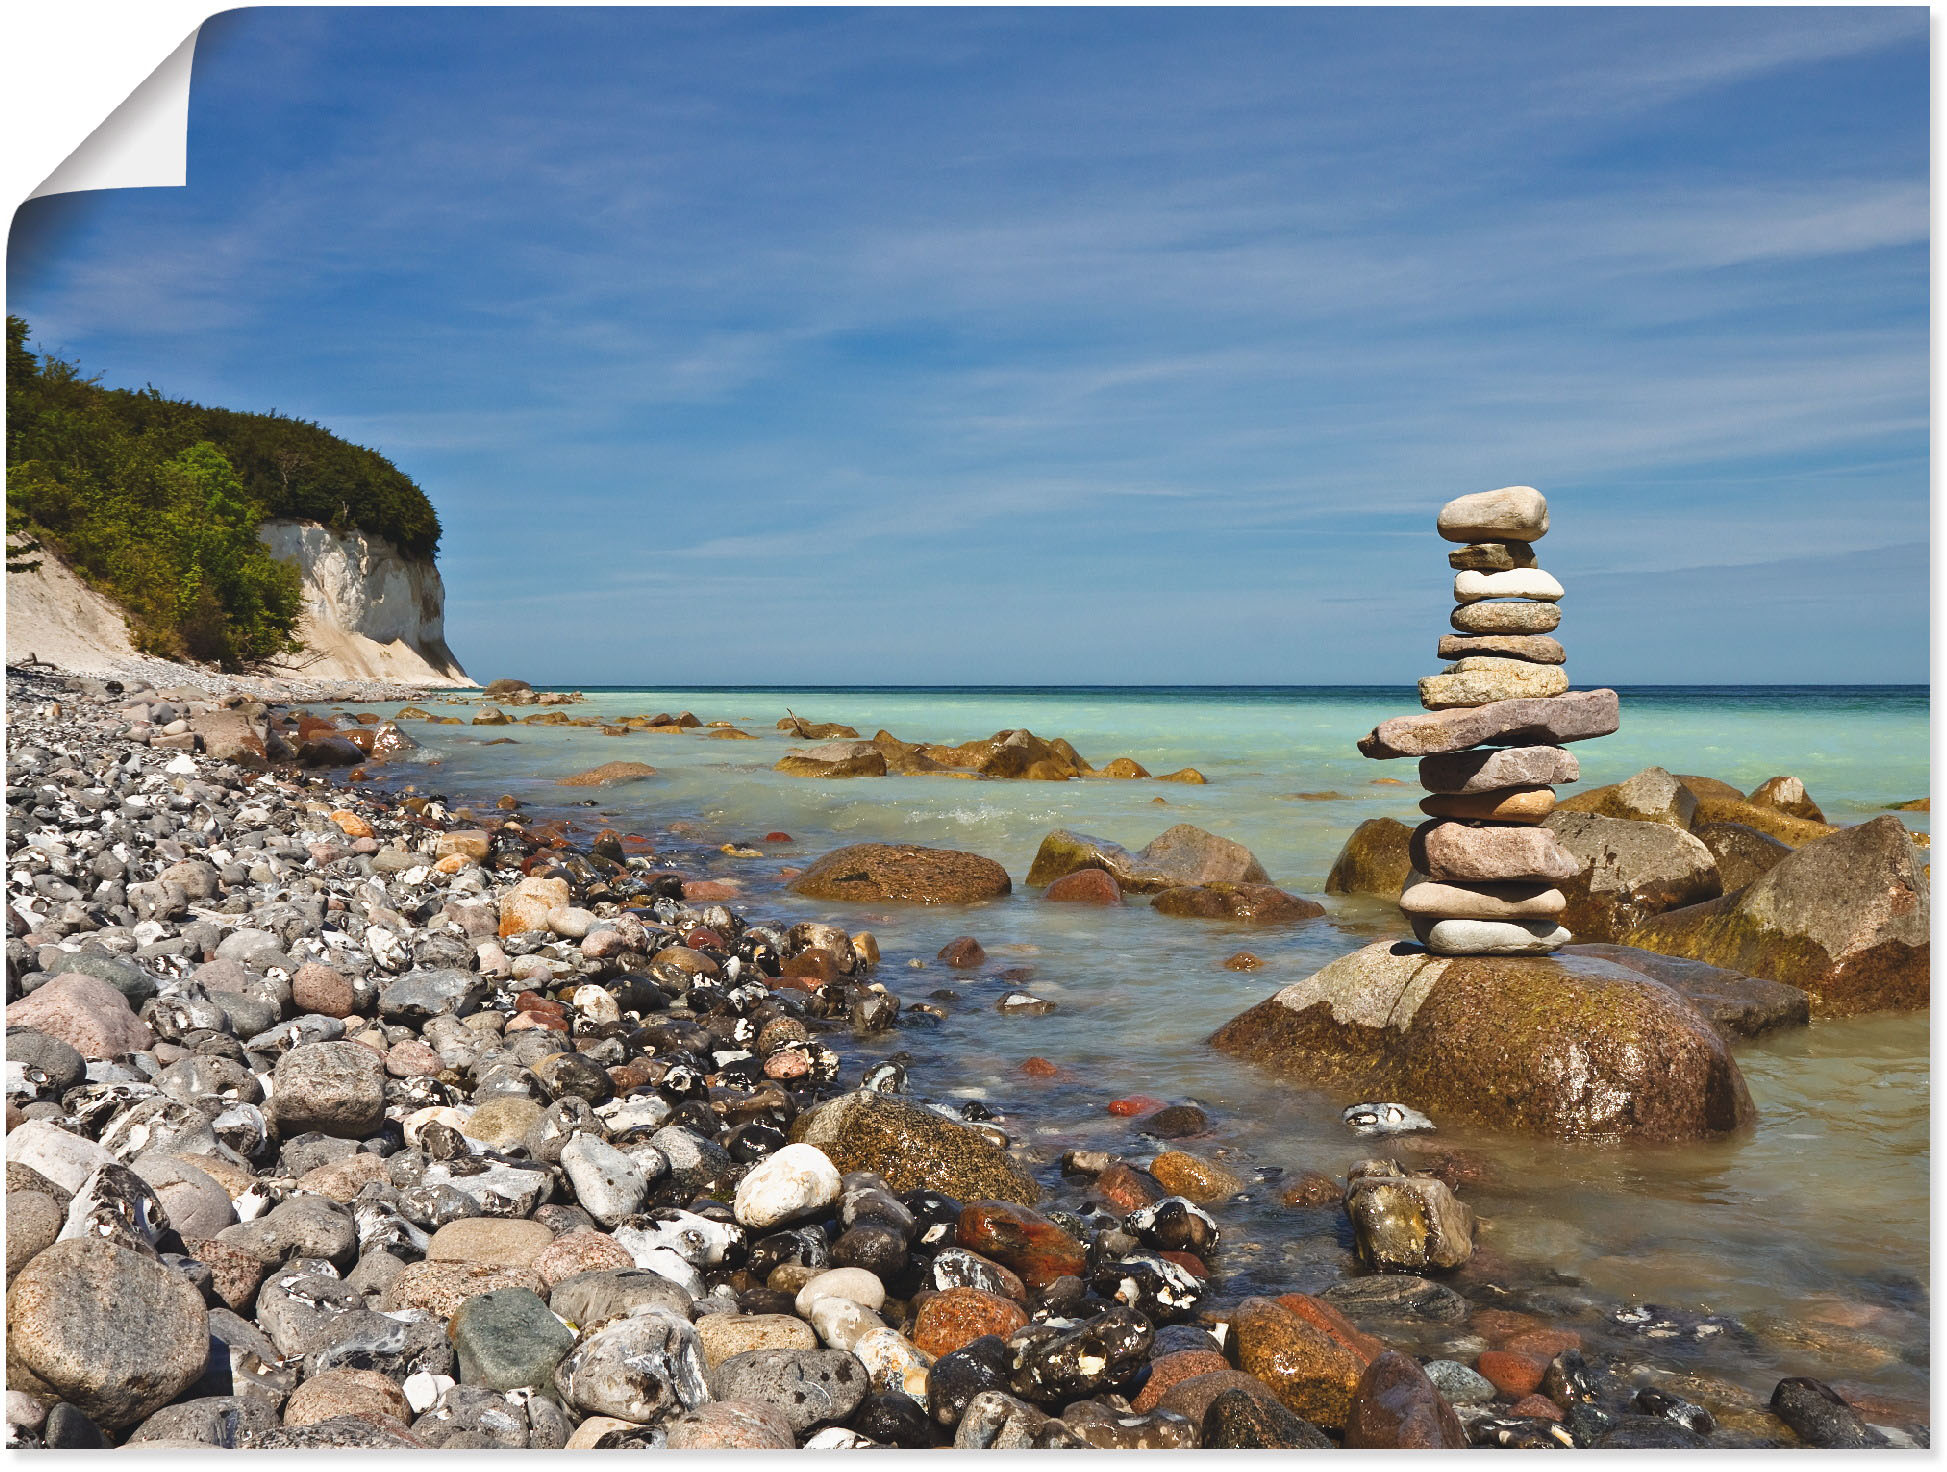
{"x": 914, "y": 1149}
{"x": 1738, "y": 1006}
{"x": 1243, "y": 961}
{"x": 1447, "y": 851}
{"x": 1023, "y": 1240}
{"x": 963, "y": 954}
{"x": 229, "y": 736}
{"x": 1313, "y": 1374}
{"x": 1844, "y": 918}
{"x": 1375, "y": 860}
{"x": 1125, "y": 767}
{"x": 1184, "y": 1174}
{"x": 835, "y": 759}
{"x": 1170, "y": 1370}
{"x": 1787, "y": 795}
{"x": 955, "y": 1318}
{"x": 1509, "y": 805}
{"x": 607, "y": 774}
{"x": 878, "y": 872}
{"x": 580, "y": 1252}
{"x": 491, "y": 1241}
{"x": 1491, "y": 557}
{"x": 318, "y": 988}
{"x": 1796, "y": 832}
{"x": 342, "y": 1180}
{"x": 441, "y": 1287}
{"x": 345, "y": 1393}
{"x": 1311, "y": 1190}
{"x": 1511, "y": 1373}
{"x": 1127, "y": 1189}
{"x": 525, "y": 907}
{"x": 1577, "y": 716}
{"x": 84, "y": 1012}
{"x": 1651, "y": 796}
{"x": 1190, "y": 776}
{"x": 1246, "y": 904}
{"x": 1085, "y": 887}
{"x": 1181, "y": 855}
{"x": 1570, "y": 1046}
{"x": 1396, "y": 1406}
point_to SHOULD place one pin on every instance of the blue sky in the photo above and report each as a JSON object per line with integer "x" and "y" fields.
{"x": 1067, "y": 346}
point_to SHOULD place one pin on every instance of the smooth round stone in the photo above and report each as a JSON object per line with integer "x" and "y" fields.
{"x": 609, "y": 1184}
{"x": 1483, "y": 901}
{"x": 344, "y": 1393}
{"x": 1520, "y": 582}
{"x": 1482, "y": 681}
{"x": 1459, "y": 1383}
{"x": 1524, "y": 617}
{"x": 841, "y": 1323}
{"x": 1510, "y": 805}
{"x": 34, "y": 1220}
{"x": 725, "y": 1336}
{"x": 492, "y": 1241}
{"x": 796, "y": 1182}
{"x": 1490, "y": 937}
{"x": 197, "y": 1205}
{"x": 642, "y": 1369}
{"x": 853, "y": 1284}
{"x": 503, "y": 1121}
{"x": 810, "y": 1387}
{"x": 1510, "y": 514}
{"x": 723, "y": 1425}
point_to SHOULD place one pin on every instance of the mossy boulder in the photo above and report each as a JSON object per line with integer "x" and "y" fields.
{"x": 1651, "y": 796}
{"x": 876, "y": 872}
{"x": 1568, "y": 1046}
{"x": 1743, "y": 854}
{"x": 1375, "y": 860}
{"x": 1796, "y": 832}
{"x": 1630, "y": 870}
{"x": 913, "y": 1149}
{"x": 1843, "y": 918}
{"x": 1179, "y": 856}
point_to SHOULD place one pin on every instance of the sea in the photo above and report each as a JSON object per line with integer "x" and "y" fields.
{"x": 1800, "y": 1247}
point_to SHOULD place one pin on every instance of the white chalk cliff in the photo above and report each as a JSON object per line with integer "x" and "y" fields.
{"x": 370, "y": 612}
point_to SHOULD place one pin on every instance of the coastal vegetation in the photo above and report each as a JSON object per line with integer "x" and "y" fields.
{"x": 156, "y": 502}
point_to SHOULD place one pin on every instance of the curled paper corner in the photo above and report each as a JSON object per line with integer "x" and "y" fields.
{"x": 144, "y": 143}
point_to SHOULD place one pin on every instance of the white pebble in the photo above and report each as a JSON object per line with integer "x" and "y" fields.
{"x": 795, "y": 1182}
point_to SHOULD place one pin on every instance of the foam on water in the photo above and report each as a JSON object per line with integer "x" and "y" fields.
{"x": 1811, "y": 1232}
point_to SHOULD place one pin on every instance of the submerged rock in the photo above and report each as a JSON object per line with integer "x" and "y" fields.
{"x": 877, "y": 872}
{"x": 913, "y": 1149}
{"x": 1247, "y": 904}
{"x": 1567, "y": 1046}
{"x": 1179, "y": 856}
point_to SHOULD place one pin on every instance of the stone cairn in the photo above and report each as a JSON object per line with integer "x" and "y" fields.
{"x": 1490, "y": 747}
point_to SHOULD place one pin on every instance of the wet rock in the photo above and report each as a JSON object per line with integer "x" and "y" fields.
{"x": 877, "y": 872}
{"x": 953, "y": 1319}
{"x": 608, "y": 774}
{"x": 1651, "y": 796}
{"x": 1054, "y": 1366}
{"x": 1161, "y": 1289}
{"x": 1406, "y": 1223}
{"x": 507, "y": 1339}
{"x": 1820, "y": 1417}
{"x": 1238, "y": 1419}
{"x": 1738, "y": 1006}
{"x": 1460, "y": 1385}
{"x": 1397, "y": 1296}
{"x": 997, "y": 1421}
{"x": 963, "y": 953}
{"x": 1084, "y": 887}
{"x": 1396, "y": 1405}
{"x": 1845, "y": 919}
{"x": 1244, "y": 904}
{"x": 913, "y": 1149}
{"x": 111, "y": 1331}
{"x": 954, "y": 1380}
{"x": 1185, "y": 1174}
{"x": 1023, "y": 1240}
{"x": 1375, "y": 860}
{"x": 1107, "y": 1429}
{"x": 1179, "y": 856}
{"x": 1566, "y": 1046}
{"x": 1313, "y": 1373}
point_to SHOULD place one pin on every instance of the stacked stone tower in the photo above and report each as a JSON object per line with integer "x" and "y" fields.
{"x": 1490, "y": 747}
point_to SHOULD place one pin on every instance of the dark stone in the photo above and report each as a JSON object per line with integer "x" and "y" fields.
{"x": 1738, "y": 1006}
{"x": 69, "y": 1428}
{"x": 1176, "y": 1122}
{"x": 1244, "y": 904}
{"x": 955, "y": 1379}
{"x": 1819, "y": 1416}
{"x": 893, "y": 1419}
{"x": 1397, "y": 1296}
{"x": 1374, "y": 860}
{"x": 1646, "y": 1433}
{"x": 1240, "y": 1420}
{"x": 1396, "y": 1406}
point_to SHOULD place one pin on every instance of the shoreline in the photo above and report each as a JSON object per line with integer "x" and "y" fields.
{"x": 806, "y": 1062}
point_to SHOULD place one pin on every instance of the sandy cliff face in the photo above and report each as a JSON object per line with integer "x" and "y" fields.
{"x": 370, "y": 612}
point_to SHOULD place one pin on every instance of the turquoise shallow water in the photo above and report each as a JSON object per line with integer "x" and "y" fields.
{"x": 1810, "y": 1233}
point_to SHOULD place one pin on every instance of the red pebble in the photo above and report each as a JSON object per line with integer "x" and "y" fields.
{"x": 1187, "y": 1260}
{"x": 1511, "y": 1373}
{"x": 1135, "y": 1104}
{"x": 699, "y": 938}
{"x": 777, "y": 838}
{"x": 1539, "y": 1407}
{"x": 1040, "y": 1068}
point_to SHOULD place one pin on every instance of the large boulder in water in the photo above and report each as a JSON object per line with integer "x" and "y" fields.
{"x": 914, "y": 1149}
{"x": 1375, "y": 860}
{"x": 1844, "y": 918}
{"x": 1651, "y": 796}
{"x": 1738, "y": 1006}
{"x": 874, "y": 872}
{"x": 1569, "y": 1046}
{"x": 1247, "y": 904}
{"x": 1179, "y": 856}
{"x": 834, "y": 759}
{"x": 1629, "y": 871}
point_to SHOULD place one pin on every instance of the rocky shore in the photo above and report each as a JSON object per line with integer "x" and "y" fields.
{"x": 340, "y": 1119}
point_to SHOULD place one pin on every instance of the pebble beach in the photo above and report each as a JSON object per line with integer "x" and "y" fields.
{"x": 348, "y": 1107}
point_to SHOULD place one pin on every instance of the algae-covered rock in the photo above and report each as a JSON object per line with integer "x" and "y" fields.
{"x": 1651, "y": 796}
{"x": 1738, "y": 1006}
{"x": 1568, "y": 1046}
{"x": 1179, "y": 856}
{"x": 913, "y": 1149}
{"x": 1375, "y": 860}
{"x": 1248, "y": 904}
{"x": 1844, "y": 918}
{"x": 1797, "y": 832}
{"x": 922, "y": 876}
{"x": 1743, "y": 854}
{"x": 1629, "y": 871}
